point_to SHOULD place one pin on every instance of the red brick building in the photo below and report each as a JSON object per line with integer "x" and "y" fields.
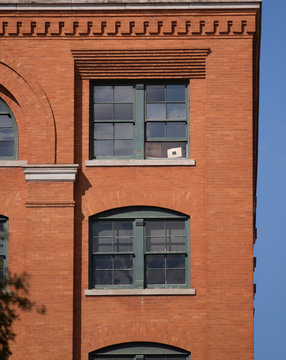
{"x": 128, "y": 154}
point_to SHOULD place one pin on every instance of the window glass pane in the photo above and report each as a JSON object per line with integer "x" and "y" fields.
{"x": 179, "y": 147}
{"x": 123, "y": 112}
{"x": 103, "y": 262}
{"x": 103, "y": 111}
{"x": 123, "y": 147}
{"x": 155, "y": 130}
{"x": 175, "y": 228}
{"x": 103, "y": 148}
{"x": 155, "y": 93}
{"x": 155, "y": 261}
{"x": 155, "y": 228}
{"x": 103, "y": 131}
{"x": 153, "y": 150}
{"x": 176, "y": 276}
{"x": 176, "y": 243}
{"x": 124, "y": 94}
{"x": 2, "y": 109}
{"x": 123, "y": 277}
{"x": 155, "y": 244}
{"x": 123, "y": 244}
{"x": 123, "y": 131}
{"x": 176, "y": 111}
{"x": 103, "y": 94}
{"x": 102, "y": 228}
{"x": 176, "y": 129}
{"x": 155, "y": 277}
{"x": 7, "y": 148}
{"x": 175, "y": 261}
{"x": 156, "y": 111}
{"x": 123, "y": 228}
{"x": 103, "y": 244}
{"x": 103, "y": 277}
{"x": 123, "y": 261}
{"x": 5, "y": 120}
{"x": 176, "y": 92}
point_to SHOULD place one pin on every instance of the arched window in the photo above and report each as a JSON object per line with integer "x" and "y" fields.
{"x": 141, "y": 247}
{"x": 3, "y": 247}
{"x": 140, "y": 351}
{"x": 8, "y": 133}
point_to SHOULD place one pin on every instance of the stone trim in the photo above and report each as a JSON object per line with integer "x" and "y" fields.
{"x": 12, "y": 163}
{"x": 49, "y": 204}
{"x": 139, "y": 162}
{"x": 138, "y": 292}
{"x": 53, "y": 172}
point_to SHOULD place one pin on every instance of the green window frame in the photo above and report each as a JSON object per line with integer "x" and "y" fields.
{"x": 3, "y": 247}
{"x": 140, "y": 351}
{"x": 139, "y": 120}
{"x": 8, "y": 133}
{"x": 139, "y": 247}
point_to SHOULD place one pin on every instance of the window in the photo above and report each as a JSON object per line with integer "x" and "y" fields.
{"x": 8, "y": 133}
{"x": 139, "y": 247}
{"x": 140, "y": 351}
{"x": 3, "y": 247}
{"x": 138, "y": 120}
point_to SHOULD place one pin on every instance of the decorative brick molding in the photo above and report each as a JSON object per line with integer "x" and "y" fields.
{"x": 45, "y": 204}
{"x": 158, "y": 63}
{"x": 50, "y": 172}
{"x": 116, "y": 26}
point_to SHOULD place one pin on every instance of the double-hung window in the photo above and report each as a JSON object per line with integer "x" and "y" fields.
{"x": 3, "y": 247}
{"x": 139, "y": 120}
{"x": 8, "y": 133}
{"x": 140, "y": 247}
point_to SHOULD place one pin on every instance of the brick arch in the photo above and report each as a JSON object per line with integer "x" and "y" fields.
{"x": 38, "y": 120}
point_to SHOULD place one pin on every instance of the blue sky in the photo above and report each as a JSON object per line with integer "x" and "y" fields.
{"x": 270, "y": 248}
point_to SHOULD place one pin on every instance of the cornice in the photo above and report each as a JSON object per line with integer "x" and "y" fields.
{"x": 120, "y": 26}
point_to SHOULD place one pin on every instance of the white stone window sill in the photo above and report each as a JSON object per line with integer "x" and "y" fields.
{"x": 12, "y": 163}
{"x": 136, "y": 292}
{"x": 142, "y": 162}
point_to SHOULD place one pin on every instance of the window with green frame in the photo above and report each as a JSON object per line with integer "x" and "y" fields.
{"x": 141, "y": 247}
{"x": 140, "y": 351}
{"x": 139, "y": 120}
{"x": 3, "y": 247}
{"x": 8, "y": 133}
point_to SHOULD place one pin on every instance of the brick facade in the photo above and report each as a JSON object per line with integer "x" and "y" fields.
{"x": 47, "y": 59}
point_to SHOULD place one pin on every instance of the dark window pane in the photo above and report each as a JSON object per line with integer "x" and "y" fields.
{"x": 153, "y": 150}
{"x": 123, "y": 112}
{"x": 103, "y": 262}
{"x": 176, "y": 276}
{"x": 123, "y": 228}
{"x": 103, "y": 111}
{"x": 102, "y": 228}
{"x": 176, "y": 111}
{"x": 155, "y": 277}
{"x": 155, "y": 130}
{"x": 123, "y": 131}
{"x": 155, "y": 244}
{"x": 155, "y": 261}
{"x": 2, "y": 109}
{"x": 156, "y": 111}
{"x": 123, "y": 147}
{"x": 103, "y": 131}
{"x": 176, "y": 129}
{"x": 103, "y": 148}
{"x": 176, "y": 243}
{"x": 175, "y": 228}
{"x": 124, "y": 93}
{"x": 5, "y": 120}
{"x": 155, "y": 228}
{"x": 103, "y": 277}
{"x": 123, "y": 277}
{"x": 174, "y": 261}
{"x": 176, "y": 148}
{"x": 123, "y": 261}
{"x": 103, "y": 244}
{"x": 103, "y": 94}
{"x": 6, "y": 148}
{"x": 123, "y": 244}
{"x": 155, "y": 93}
{"x": 176, "y": 92}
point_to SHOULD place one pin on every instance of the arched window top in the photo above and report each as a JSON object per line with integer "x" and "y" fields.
{"x": 144, "y": 350}
{"x": 8, "y": 133}
{"x": 137, "y": 212}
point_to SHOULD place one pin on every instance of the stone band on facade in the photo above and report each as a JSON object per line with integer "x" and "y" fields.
{"x": 50, "y": 172}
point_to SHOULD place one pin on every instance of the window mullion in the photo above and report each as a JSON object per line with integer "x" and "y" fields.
{"x": 139, "y": 253}
{"x": 139, "y": 123}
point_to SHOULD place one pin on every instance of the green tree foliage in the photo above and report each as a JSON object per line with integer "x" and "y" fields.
{"x": 14, "y": 292}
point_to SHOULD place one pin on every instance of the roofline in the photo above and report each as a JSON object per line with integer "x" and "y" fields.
{"x": 127, "y": 4}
